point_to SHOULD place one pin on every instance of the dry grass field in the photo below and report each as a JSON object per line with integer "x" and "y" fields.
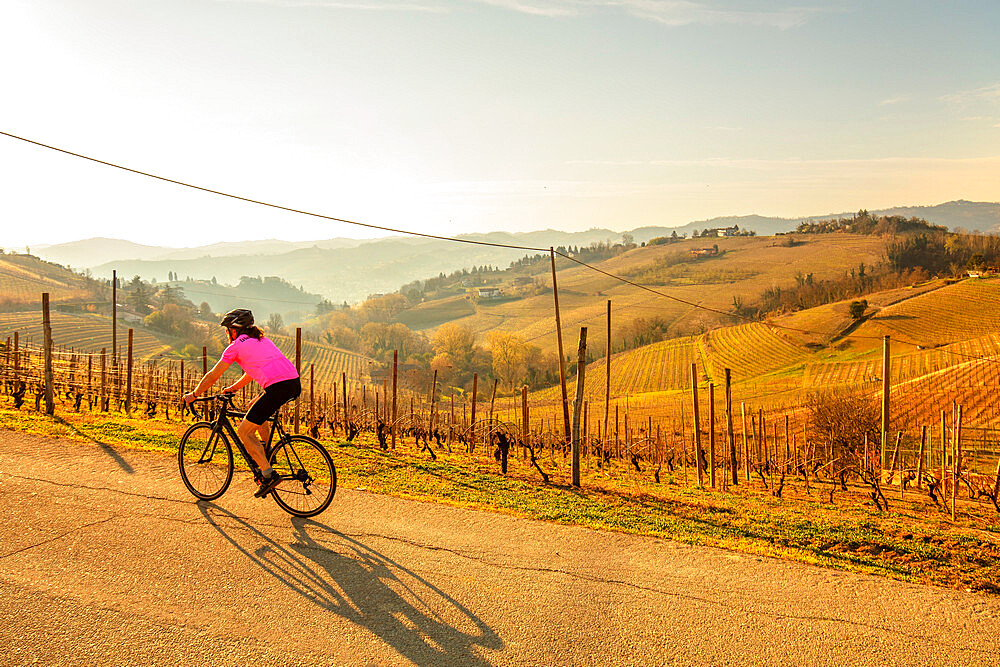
{"x": 23, "y": 278}
{"x": 583, "y": 293}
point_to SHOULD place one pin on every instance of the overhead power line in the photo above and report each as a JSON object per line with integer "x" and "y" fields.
{"x": 455, "y": 240}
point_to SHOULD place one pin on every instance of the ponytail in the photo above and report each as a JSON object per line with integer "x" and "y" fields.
{"x": 252, "y": 331}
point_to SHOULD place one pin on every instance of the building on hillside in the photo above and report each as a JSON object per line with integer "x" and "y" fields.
{"x": 375, "y": 295}
{"x": 489, "y": 293}
{"x": 705, "y": 252}
{"x": 722, "y": 232}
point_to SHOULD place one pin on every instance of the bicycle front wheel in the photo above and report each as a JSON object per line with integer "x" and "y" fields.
{"x": 308, "y": 478}
{"x": 206, "y": 461}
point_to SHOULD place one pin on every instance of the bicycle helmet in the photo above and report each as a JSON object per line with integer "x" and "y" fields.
{"x": 239, "y": 318}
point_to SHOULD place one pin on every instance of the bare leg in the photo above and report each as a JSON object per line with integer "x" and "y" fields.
{"x": 248, "y": 436}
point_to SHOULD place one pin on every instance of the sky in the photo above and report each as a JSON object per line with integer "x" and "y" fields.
{"x": 457, "y": 116}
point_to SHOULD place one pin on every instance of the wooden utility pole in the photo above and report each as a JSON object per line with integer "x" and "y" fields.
{"x": 298, "y": 369}
{"x": 885, "y": 404}
{"x": 50, "y": 406}
{"x": 607, "y": 376}
{"x": 697, "y": 425}
{"x": 581, "y": 369}
{"x": 395, "y": 372}
{"x": 562, "y": 355}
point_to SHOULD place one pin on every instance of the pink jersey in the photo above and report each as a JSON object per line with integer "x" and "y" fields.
{"x": 260, "y": 359}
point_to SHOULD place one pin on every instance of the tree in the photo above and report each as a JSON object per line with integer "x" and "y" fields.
{"x": 457, "y": 341}
{"x": 205, "y": 311}
{"x": 509, "y": 352}
{"x": 275, "y": 323}
{"x": 857, "y": 309}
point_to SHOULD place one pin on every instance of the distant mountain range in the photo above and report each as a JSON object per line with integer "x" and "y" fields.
{"x": 349, "y": 269}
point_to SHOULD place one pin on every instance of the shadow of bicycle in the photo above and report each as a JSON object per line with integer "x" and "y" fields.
{"x": 339, "y": 574}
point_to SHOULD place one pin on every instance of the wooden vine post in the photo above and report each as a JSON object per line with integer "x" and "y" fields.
{"x": 298, "y": 369}
{"x": 697, "y": 425}
{"x": 50, "y": 406}
{"x": 581, "y": 369}
{"x": 128, "y": 377}
{"x": 733, "y": 457}
{"x": 711, "y": 432}
{"x": 395, "y": 371}
{"x": 472, "y": 424}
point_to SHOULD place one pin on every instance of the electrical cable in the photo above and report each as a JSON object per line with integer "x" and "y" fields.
{"x": 452, "y": 239}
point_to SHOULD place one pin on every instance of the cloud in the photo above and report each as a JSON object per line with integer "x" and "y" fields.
{"x": 672, "y": 13}
{"x": 899, "y": 99}
{"x": 373, "y": 5}
{"x": 976, "y": 96}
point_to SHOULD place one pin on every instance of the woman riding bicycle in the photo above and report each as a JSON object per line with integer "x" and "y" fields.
{"x": 261, "y": 360}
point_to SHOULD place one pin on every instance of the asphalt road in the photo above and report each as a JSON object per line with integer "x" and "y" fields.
{"x": 106, "y": 559}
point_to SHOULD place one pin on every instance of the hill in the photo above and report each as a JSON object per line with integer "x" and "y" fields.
{"x": 24, "y": 277}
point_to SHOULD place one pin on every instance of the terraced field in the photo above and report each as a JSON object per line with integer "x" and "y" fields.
{"x": 23, "y": 278}
{"x": 749, "y": 350}
{"x": 967, "y": 309}
{"x": 328, "y": 362}
{"x": 658, "y": 367}
{"x": 82, "y": 332}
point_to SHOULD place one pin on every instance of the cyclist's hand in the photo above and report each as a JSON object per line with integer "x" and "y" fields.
{"x": 229, "y": 391}
{"x": 189, "y": 397}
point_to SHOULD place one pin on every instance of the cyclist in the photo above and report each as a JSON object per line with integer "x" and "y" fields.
{"x": 261, "y": 360}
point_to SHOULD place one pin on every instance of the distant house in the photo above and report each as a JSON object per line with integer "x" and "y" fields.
{"x": 376, "y": 295}
{"x": 722, "y": 232}
{"x": 489, "y": 293}
{"x": 705, "y": 252}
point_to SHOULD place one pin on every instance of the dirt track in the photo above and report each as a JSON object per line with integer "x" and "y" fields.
{"x": 105, "y": 558}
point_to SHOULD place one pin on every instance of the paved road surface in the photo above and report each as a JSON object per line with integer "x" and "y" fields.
{"x": 105, "y": 558}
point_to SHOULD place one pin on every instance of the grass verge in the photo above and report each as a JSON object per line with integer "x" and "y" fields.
{"x": 913, "y": 542}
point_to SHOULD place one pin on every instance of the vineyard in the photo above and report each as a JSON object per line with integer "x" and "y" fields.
{"x": 326, "y": 363}
{"x": 23, "y": 277}
{"x": 84, "y": 332}
{"x": 762, "y": 431}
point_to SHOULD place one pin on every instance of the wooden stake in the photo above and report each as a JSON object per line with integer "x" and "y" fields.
{"x": 128, "y": 386}
{"x": 395, "y": 371}
{"x": 50, "y": 406}
{"x": 581, "y": 369}
{"x": 711, "y": 432}
{"x": 697, "y": 426}
{"x": 298, "y": 369}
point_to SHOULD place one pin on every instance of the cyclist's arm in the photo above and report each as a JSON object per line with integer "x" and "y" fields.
{"x": 210, "y": 378}
{"x": 239, "y": 384}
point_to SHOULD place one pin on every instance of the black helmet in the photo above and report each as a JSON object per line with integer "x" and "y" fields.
{"x": 239, "y": 318}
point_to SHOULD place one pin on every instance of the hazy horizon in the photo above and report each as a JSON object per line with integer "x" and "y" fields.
{"x": 458, "y": 116}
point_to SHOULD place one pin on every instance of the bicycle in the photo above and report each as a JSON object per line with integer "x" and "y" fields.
{"x": 205, "y": 456}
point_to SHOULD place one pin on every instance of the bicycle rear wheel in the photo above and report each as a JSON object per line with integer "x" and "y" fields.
{"x": 308, "y": 478}
{"x": 206, "y": 461}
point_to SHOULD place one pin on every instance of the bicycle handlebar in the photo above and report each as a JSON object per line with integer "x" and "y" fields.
{"x": 224, "y": 397}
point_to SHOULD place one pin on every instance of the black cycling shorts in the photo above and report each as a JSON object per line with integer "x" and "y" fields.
{"x": 275, "y": 395}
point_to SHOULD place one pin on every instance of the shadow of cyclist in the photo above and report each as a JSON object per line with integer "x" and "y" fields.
{"x": 341, "y": 575}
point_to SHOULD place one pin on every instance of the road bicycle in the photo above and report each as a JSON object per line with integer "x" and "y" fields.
{"x": 205, "y": 457}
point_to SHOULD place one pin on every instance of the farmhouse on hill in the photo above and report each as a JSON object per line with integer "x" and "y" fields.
{"x": 489, "y": 293}
{"x": 705, "y": 252}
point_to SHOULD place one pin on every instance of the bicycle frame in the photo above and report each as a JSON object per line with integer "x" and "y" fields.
{"x": 222, "y": 426}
